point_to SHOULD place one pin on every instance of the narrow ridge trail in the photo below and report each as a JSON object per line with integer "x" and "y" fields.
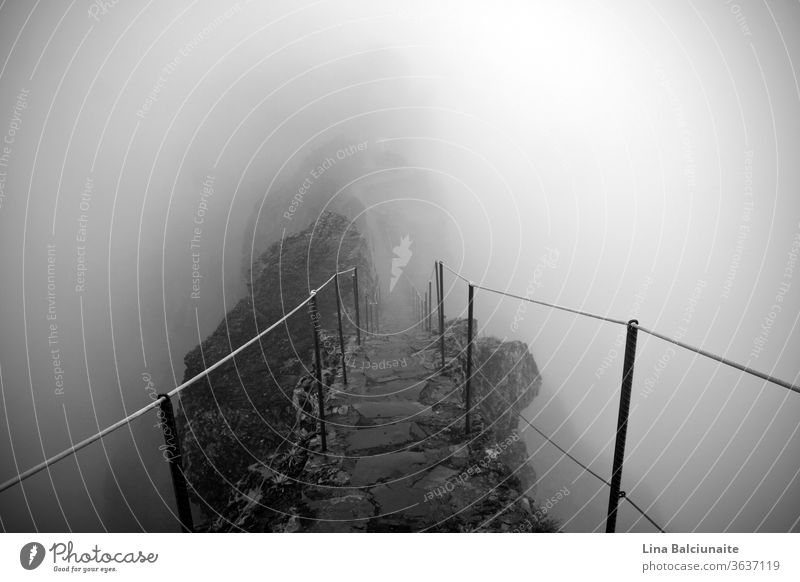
{"x": 397, "y": 451}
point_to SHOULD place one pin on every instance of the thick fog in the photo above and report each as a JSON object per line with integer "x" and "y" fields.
{"x": 623, "y": 158}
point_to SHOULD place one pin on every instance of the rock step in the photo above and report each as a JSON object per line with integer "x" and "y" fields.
{"x": 386, "y": 410}
{"x": 389, "y": 467}
{"x": 397, "y": 388}
{"x": 400, "y": 498}
{"x": 393, "y": 435}
{"x": 348, "y": 511}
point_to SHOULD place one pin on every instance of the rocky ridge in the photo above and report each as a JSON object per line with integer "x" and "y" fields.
{"x": 398, "y": 457}
{"x": 242, "y": 412}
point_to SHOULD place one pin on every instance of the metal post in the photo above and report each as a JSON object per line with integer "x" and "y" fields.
{"x": 430, "y": 298}
{"x": 318, "y": 372}
{"x": 377, "y": 314}
{"x": 441, "y": 309}
{"x": 424, "y": 308}
{"x": 622, "y": 425}
{"x": 341, "y": 336}
{"x": 436, "y": 278}
{"x": 366, "y": 313}
{"x": 175, "y": 458}
{"x": 467, "y": 395}
{"x": 355, "y": 301}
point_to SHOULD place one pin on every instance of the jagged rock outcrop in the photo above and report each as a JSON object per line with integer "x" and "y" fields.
{"x": 401, "y": 462}
{"x": 398, "y": 458}
{"x": 506, "y": 380}
{"x": 505, "y": 377}
{"x": 243, "y": 411}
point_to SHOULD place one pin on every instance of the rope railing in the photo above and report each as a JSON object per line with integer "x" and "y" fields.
{"x": 162, "y": 398}
{"x": 633, "y": 327}
{"x": 421, "y": 302}
{"x": 726, "y": 361}
{"x": 586, "y": 468}
{"x": 702, "y": 352}
{"x": 456, "y": 273}
{"x": 424, "y": 305}
{"x": 78, "y": 446}
{"x": 574, "y": 459}
{"x": 554, "y": 306}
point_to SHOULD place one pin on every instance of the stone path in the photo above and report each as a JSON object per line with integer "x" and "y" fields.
{"x": 398, "y": 459}
{"x": 390, "y": 447}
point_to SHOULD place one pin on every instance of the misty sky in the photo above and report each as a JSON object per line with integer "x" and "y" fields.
{"x": 629, "y": 158}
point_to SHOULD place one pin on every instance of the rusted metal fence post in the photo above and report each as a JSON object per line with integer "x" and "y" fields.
{"x": 622, "y": 426}
{"x": 174, "y": 457}
{"x": 341, "y": 335}
{"x": 318, "y": 373}
{"x": 355, "y": 301}
{"x": 430, "y": 298}
{"x": 440, "y": 270}
{"x": 467, "y": 392}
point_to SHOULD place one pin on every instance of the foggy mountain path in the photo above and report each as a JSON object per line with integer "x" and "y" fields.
{"x": 175, "y": 178}
{"x": 393, "y": 454}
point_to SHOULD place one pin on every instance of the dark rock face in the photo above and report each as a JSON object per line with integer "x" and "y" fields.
{"x": 400, "y": 460}
{"x": 505, "y": 378}
{"x": 242, "y": 412}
